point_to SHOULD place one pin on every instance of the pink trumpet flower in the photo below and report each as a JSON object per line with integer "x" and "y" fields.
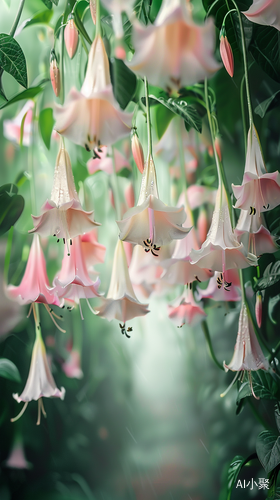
{"x": 186, "y": 310}
{"x": 93, "y": 117}
{"x": 260, "y": 190}
{"x": 251, "y": 230}
{"x": 266, "y": 12}
{"x": 62, "y": 215}
{"x": 40, "y": 382}
{"x": 12, "y": 128}
{"x": 73, "y": 282}
{"x": 17, "y": 459}
{"x": 72, "y": 367}
{"x": 71, "y": 36}
{"x": 152, "y": 223}
{"x": 227, "y": 55}
{"x": 174, "y": 51}
{"x": 104, "y": 162}
{"x": 34, "y": 286}
{"x": 93, "y": 252}
{"x": 217, "y": 289}
{"x": 121, "y": 302}
{"x": 221, "y": 250}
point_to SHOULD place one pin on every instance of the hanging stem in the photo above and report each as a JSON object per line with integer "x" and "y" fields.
{"x": 62, "y": 65}
{"x": 149, "y": 126}
{"x": 182, "y": 168}
{"x": 246, "y": 73}
{"x": 116, "y": 188}
{"x": 209, "y": 343}
{"x": 8, "y": 254}
{"x": 17, "y": 18}
{"x": 98, "y": 21}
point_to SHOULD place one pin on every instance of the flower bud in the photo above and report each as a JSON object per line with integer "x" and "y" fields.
{"x": 227, "y": 55}
{"x": 258, "y": 309}
{"x": 202, "y": 225}
{"x": 92, "y": 5}
{"x": 71, "y": 37}
{"x": 137, "y": 152}
{"x": 55, "y": 74}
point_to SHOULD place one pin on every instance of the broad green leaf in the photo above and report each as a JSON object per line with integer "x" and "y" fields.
{"x": 264, "y": 387}
{"x": 156, "y": 5}
{"x": 233, "y": 473}
{"x": 273, "y": 310}
{"x": 40, "y": 18}
{"x": 142, "y": 10}
{"x": 9, "y": 370}
{"x": 26, "y": 94}
{"x": 271, "y": 276}
{"x": 124, "y": 82}
{"x": 265, "y": 50}
{"x": 58, "y": 25}
{"x": 46, "y": 123}
{"x": 277, "y": 419}
{"x": 68, "y": 9}
{"x": 181, "y": 108}
{"x": 268, "y": 450}
{"x": 2, "y": 92}
{"x": 12, "y": 59}
{"x": 8, "y": 3}
{"x": 78, "y": 14}
{"x": 268, "y": 104}
{"x": 163, "y": 117}
{"x": 48, "y": 3}
{"x": 11, "y": 207}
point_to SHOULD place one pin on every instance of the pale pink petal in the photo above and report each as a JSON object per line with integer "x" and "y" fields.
{"x": 266, "y": 12}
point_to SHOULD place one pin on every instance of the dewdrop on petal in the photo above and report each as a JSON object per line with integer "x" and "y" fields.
{"x": 55, "y": 74}
{"x": 71, "y": 36}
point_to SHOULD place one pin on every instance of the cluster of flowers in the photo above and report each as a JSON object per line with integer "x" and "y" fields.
{"x": 171, "y": 53}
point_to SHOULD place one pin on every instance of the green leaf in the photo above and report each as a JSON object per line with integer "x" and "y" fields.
{"x": 156, "y": 5}
{"x": 265, "y": 50}
{"x": 11, "y": 207}
{"x": 273, "y": 310}
{"x": 268, "y": 450}
{"x": 270, "y": 103}
{"x": 26, "y": 94}
{"x": 8, "y": 3}
{"x": 9, "y": 370}
{"x": 264, "y": 387}
{"x": 163, "y": 117}
{"x": 48, "y": 3}
{"x": 181, "y": 108}
{"x": 233, "y": 473}
{"x": 124, "y": 82}
{"x": 40, "y": 18}
{"x": 78, "y": 14}
{"x": 271, "y": 276}
{"x": 46, "y": 123}
{"x": 68, "y": 9}
{"x": 12, "y": 59}
{"x": 142, "y": 10}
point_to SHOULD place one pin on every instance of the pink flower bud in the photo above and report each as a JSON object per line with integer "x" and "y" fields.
{"x": 71, "y": 37}
{"x": 120, "y": 52}
{"x": 258, "y": 309}
{"x": 92, "y": 5}
{"x": 55, "y": 74}
{"x": 227, "y": 55}
{"x": 129, "y": 195}
{"x": 137, "y": 152}
{"x": 202, "y": 225}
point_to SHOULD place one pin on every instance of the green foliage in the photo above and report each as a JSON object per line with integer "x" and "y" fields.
{"x": 46, "y": 123}
{"x": 12, "y": 59}
{"x": 163, "y": 117}
{"x": 180, "y": 107}
{"x": 264, "y": 386}
{"x": 48, "y": 3}
{"x": 124, "y": 82}
{"x": 273, "y": 309}
{"x": 142, "y": 10}
{"x": 233, "y": 473}
{"x": 26, "y": 94}
{"x": 265, "y": 49}
{"x": 9, "y": 370}
{"x": 271, "y": 276}
{"x": 268, "y": 104}
{"x": 78, "y": 12}
{"x": 11, "y": 207}
{"x": 268, "y": 450}
{"x": 43, "y": 17}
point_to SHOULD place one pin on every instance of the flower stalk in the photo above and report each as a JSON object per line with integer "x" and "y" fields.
{"x": 149, "y": 125}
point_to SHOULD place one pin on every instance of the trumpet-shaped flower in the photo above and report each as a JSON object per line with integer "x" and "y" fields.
{"x": 218, "y": 290}
{"x": 186, "y": 310}
{"x": 247, "y": 352}
{"x": 251, "y": 230}
{"x": 62, "y": 215}
{"x": 259, "y": 191}
{"x": 174, "y": 51}
{"x": 72, "y": 366}
{"x": 40, "y": 382}
{"x": 93, "y": 252}
{"x": 152, "y": 223}
{"x": 121, "y": 302}
{"x": 221, "y": 250}
{"x": 93, "y": 117}
{"x": 34, "y": 286}
{"x": 266, "y": 12}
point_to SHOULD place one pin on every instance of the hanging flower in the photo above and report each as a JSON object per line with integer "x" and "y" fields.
{"x": 266, "y": 12}
{"x": 93, "y": 252}
{"x": 259, "y": 191}
{"x": 104, "y": 162}
{"x": 121, "y": 302}
{"x": 218, "y": 290}
{"x": 93, "y": 117}
{"x": 12, "y": 128}
{"x": 152, "y": 223}
{"x": 186, "y": 310}
{"x": 174, "y": 51}
{"x": 62, "y": 215}
{"x": 251, "y": 230}
{"x": 40, "y": 382}
{"x": 73, "y": 282}
{"x": 17, "y": 459}
{"x": 34, "y": 286}
{"x": 221, "y": 250}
